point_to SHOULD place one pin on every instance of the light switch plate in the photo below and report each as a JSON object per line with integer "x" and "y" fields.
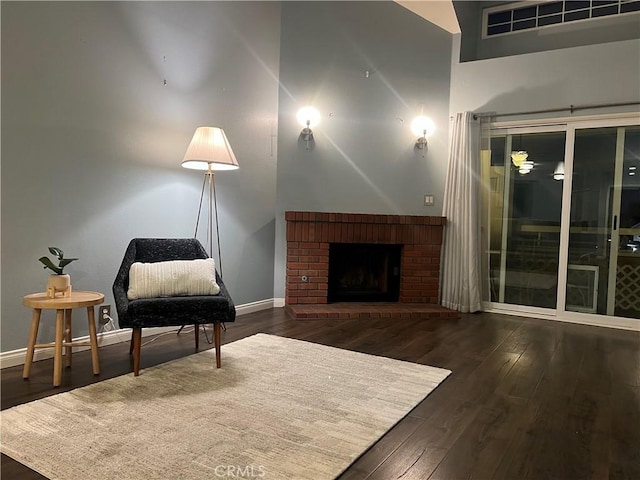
{"x": 428, "y": 200}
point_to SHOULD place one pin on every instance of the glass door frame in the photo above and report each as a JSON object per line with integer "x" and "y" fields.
{"x": 569, "y": 126}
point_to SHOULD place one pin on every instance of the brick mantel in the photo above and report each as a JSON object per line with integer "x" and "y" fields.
{"x": 309, "y": 235}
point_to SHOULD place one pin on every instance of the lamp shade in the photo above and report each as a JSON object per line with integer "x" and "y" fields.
{"x": 558, "y": 173}
{"x": 308, "y": 116}
{"x": 210, "y": 149}
{"x": 422, "y": 126}
{"x": 518, "y": 157}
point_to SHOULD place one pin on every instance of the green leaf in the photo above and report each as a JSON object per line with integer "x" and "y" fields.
{"x": 66, "y": 261}
{"x": 57, "y": 252}
{"x": 49, "y": 264}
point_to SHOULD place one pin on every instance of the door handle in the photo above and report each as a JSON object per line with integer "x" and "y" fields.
{"x": 615, "y": 222}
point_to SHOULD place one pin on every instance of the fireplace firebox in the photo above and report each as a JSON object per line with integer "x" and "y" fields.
{"x": 364, "y": 272}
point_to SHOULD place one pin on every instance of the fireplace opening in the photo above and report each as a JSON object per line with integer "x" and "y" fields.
{"x": 364, "y": 272}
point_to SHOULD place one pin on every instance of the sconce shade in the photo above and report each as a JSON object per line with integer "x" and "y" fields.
{"x": 519, "y": 157}
{"x": 308, "y": 117}
{"x": 210, "y": 150}
{"x": 422, "y": 126}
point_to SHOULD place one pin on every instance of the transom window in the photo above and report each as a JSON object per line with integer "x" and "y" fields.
{"x": 516, "y": 17}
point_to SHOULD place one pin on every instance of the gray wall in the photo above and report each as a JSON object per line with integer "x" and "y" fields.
{"x": 363, "y": 159}
{"x": 92, "y": 139}
{"x": 593, "y": 74}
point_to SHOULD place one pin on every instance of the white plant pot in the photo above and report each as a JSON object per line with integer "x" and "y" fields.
{"x": 58, "y": 284}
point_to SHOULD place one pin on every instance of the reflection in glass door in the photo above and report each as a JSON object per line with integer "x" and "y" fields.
{"x": 524, "y": 210}
{"x": 603, "y": 270}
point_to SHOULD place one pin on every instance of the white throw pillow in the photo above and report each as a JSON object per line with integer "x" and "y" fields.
{"x": 171, "y": 279}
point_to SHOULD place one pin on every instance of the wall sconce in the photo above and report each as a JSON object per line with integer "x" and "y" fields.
{"x": 308, "y": 117}
{"x": 423, "y": 127}
{"x": 558, "y": 173}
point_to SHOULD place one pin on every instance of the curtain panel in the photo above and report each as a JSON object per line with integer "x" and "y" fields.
{"x": 461, "y": 263}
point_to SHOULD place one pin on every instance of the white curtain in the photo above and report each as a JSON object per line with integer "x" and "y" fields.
{"x": 460, "y": 267}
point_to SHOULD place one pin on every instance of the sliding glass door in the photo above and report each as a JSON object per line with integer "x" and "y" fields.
{"x": 524, "y": 214}
{"x": 603, "y": 270}
{"x": 583, "y": 259}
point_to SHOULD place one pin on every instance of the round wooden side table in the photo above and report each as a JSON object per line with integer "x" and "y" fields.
{"x": 63, "y": 307}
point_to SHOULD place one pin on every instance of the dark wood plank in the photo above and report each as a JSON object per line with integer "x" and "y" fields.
{"x": 382, "y": 449}
{"x": 527, "y": 399}
{"x": 484, "y": 442}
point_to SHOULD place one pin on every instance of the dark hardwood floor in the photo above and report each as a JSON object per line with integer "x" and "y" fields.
{"x": 528, "y": 399}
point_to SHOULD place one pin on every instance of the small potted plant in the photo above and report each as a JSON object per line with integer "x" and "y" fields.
{"x": 58, "y": 281}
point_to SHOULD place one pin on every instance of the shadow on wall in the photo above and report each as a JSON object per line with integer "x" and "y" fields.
{"x": 256, "y": 264}
{"x": 519, "y": 100}
{"x": 572, "y": 77}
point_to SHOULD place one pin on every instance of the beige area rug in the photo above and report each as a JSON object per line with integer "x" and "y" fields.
{"x": 277, "y": 409}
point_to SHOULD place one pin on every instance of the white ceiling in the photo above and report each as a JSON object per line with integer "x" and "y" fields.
{"x": 438, "y": 12}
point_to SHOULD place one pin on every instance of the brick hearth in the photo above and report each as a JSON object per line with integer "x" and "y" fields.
{"x": 309, "y": 235}
{"x": 344, "y": 310}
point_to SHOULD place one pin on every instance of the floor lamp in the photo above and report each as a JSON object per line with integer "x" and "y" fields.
{"x": 209, "y": 150}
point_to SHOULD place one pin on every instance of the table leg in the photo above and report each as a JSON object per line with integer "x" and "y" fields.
{"x": 67, "y": 337}
{"x": 57, "y": 358}
{"x": 93, "y": 340}
{"x": 35, "y": 322}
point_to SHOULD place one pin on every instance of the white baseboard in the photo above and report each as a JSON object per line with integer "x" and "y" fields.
{"x": 17, "y": 357}
{"x": 255, "y": 306}
{"x": 594, "y": 320}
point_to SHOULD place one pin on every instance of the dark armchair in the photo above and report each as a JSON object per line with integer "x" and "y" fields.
{"x": 168, "y": 311}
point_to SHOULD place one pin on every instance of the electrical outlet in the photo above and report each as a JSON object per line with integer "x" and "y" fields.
{"x": 105, "y": 314}
{"x": 429, "y": 200}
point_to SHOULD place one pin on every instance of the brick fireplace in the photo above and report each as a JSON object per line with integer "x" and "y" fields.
{"x": 310, "y": 234}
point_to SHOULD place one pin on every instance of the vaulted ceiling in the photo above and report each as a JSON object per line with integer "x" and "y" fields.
{"x": 438, "y": 12}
